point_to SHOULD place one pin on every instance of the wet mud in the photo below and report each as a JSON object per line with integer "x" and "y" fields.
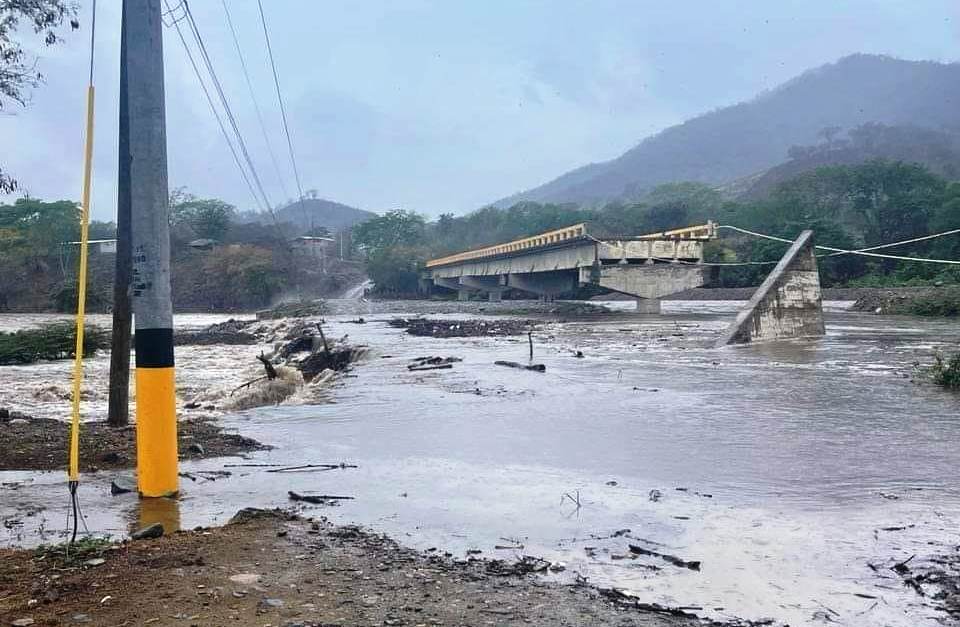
{"x": 42, "y": 443}
{"x": 272, "y": 568}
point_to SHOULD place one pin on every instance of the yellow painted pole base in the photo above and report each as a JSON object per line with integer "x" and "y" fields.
{"x": 157, "y": 463}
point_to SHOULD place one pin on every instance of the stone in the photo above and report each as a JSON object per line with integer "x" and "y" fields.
{"x": 195, "y": 448}
{"x": 23, "y": 622}
{"x": 246, "y": 579}
{"x": 81, "y": 618}
{"x": 95, "y": 561}
{"x": 147, "y": 533}
{"x": 120, "y": 487}
{"x": 271, "y": 603}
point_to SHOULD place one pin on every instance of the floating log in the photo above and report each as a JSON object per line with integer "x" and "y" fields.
{"x": 513, "y": 364}
{"x": 673, "y": 559}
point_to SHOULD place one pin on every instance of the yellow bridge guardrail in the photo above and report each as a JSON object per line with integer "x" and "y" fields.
{"x": 576, "y": 231}
{"x": 543, "y": 239}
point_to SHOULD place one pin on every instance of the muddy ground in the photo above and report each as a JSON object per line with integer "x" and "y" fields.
{"x": 41, "y": 443}
{"x": 274, "y": 569}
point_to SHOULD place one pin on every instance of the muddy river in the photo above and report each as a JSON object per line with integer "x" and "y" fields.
{"x": 777, "y": 466}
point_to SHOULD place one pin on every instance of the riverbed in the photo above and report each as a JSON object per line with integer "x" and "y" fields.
{"x": 776, "y": 466}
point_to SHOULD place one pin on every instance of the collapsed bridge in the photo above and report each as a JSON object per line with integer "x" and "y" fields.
{"x": 647, "y": 267}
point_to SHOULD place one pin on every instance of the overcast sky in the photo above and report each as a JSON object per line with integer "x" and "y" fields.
{"x": 447, "y": 105}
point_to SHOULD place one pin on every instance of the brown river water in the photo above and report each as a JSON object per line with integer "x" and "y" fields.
{"x": 774, "y": 465}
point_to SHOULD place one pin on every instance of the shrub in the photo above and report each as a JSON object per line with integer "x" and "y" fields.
{"x": 946, "y": 372}
{"x": 51, "y": 341}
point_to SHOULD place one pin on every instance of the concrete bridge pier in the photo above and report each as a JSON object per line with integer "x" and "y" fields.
{"x": 648, "y": 305}
{"x": 463, "y": 292}
{"x": 546, "y": 285}
{"x": 492, "y": 285}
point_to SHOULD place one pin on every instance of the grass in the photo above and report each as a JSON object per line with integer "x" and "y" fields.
{"x": 51, "y": 341}
{"x": 66, "y": 555}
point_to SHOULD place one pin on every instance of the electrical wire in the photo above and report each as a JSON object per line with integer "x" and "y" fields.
{"x": 253, "y": 98}
{"x": 213, "y": 108}
{"x": 283, "y": 111}
{"x": 191, "y": 22}
{"x": 864, "y": 251}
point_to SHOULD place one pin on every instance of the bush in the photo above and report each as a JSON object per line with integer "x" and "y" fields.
{"x": 946, "y": 372}
{"x": 51, "y": 341}
{"x": 942, "y": 302}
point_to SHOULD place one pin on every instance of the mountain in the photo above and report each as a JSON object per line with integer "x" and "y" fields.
{"x": 313, "y": 213}
{"x": 939, "y": 151}
{"x": 738, "y": 141}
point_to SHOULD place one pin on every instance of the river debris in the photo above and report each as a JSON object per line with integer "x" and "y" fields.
{"x": 936, "y": 578}
{"x": 513, "y": 364}
{"x": 56, "y": 340}
{"x": 431, "y": 327}
{"x": 231, "y": 332}
{"x": 312, "y": 467}
{"x": 39, "y": 443}
{"x": 433, "y": 363}
{"x": 300, "y": 309}
{"x": 525, "y": 565}
{"x": 672, "y": 559}
{"x": 317, "y": 499}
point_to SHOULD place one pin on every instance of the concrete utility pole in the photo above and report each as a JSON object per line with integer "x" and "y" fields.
{"x": 118, "y": 412}
{"x": 150, "y": 240}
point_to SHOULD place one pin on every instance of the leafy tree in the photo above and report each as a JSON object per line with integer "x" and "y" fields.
{"x": 17, "y": 69}
{"x": 31, "y": 227}
{"x": 207, "y": 218}
{"x": 393, "y": 229}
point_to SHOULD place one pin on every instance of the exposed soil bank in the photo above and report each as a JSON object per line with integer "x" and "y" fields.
{"x": 41, "y": 443}
{"x": 273, "y": 569}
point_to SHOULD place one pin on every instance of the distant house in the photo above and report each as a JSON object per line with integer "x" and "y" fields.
{"x": 312, "y": 245}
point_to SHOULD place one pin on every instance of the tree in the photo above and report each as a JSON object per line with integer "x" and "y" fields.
{"x": 207, "y": 218}
{"x": 18, "y": 71}
{"x": 395, "y": 228}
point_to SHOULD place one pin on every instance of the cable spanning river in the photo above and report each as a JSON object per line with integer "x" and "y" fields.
{"x": 777, "y": 466}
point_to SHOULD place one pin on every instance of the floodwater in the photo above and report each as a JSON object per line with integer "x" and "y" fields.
{"x": 777, "y": 466}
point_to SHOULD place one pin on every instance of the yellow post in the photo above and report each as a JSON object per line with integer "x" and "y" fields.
{"x": 74, "y": 470}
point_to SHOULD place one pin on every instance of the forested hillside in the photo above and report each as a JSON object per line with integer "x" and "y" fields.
{"x": 742, "y": 140}
{"x": 848, "y": 206}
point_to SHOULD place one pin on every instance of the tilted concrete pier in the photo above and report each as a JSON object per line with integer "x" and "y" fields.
{"x": 787, "y": 305}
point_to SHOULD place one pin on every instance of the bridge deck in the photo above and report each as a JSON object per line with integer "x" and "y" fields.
{"x": 577, "y": 235}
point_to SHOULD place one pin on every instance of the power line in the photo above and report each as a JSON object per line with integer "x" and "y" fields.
{"x": 253, "y": 98}
{"x": 283, "y": 112}
{"x": 213, "y": 107}
{"x": 863, "y": 251}
{"x": 226, "y": 106}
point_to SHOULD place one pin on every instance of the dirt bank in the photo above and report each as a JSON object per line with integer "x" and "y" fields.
{"x": 41, "y": 443}
{"x": 274, "y": 569}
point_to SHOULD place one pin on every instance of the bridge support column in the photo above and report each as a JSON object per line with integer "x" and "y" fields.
{"x": 546, "y": 285}
{"x": 463, "y": 295}
{"x": 787, "y": 305}
{"x": 489, "y": 284}
{"x": 648, "y": 305}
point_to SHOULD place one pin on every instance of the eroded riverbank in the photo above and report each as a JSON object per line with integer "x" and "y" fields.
{"x": 808, "y": 451}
